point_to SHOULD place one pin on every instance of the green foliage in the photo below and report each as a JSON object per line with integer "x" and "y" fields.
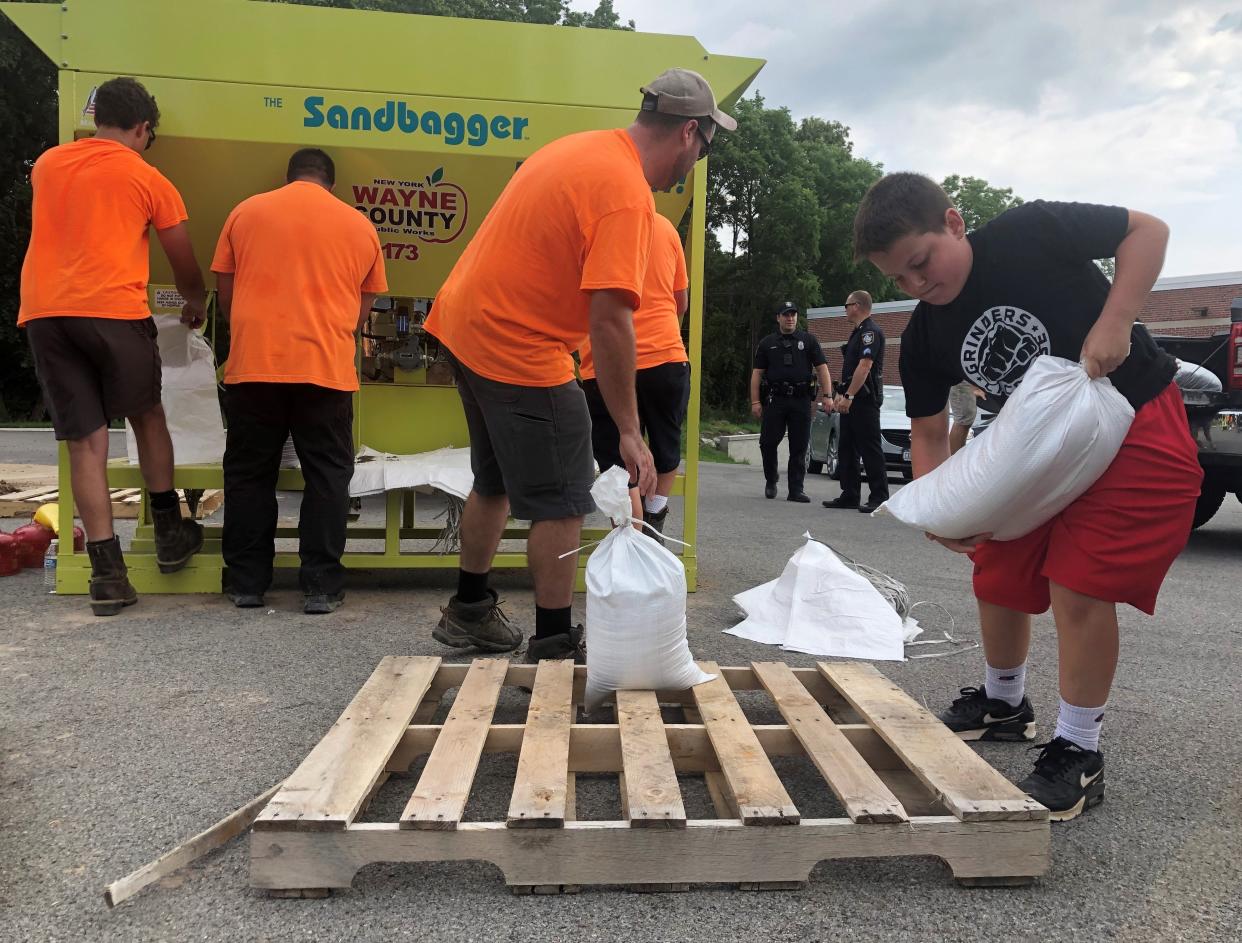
{"x": 977, "y": 200}
{"x": 27, "y": 128}
{"x": 546, "y": 12}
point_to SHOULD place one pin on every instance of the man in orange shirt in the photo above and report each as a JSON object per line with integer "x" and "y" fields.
{"x": 662, "y": 381}
{"x": 84, "y": 309}
{"x": 297, "y": 272}
{"x": 561, "y": 256}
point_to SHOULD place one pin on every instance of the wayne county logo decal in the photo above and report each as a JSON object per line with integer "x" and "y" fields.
{"x": 1000, "y": 346}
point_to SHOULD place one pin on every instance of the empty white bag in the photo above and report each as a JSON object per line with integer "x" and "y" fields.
{"x": 191, "y": 403}
{"x": 1054, "y": 437}
{"x": 635, "y": 607}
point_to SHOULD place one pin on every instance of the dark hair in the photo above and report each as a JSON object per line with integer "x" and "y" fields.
{"x": 898, "y": 205}
{"x": 311, "y": 162}
{"x": 124, "y": 103}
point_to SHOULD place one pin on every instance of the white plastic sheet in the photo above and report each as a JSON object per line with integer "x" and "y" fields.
{"x": 446, "y": 469}
{"x": 635, "y": 607}
{"x": 191, "y": 403}
{"x": 819, "y": 606}
{"x": 1052, "y": 440}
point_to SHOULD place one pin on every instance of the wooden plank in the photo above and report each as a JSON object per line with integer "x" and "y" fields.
{"x": 653, "y": 798}
{"x": 444, "y": 787}
{"x": 863, "y": 795}
{"x": 752, "y": 783}
{"x": 969, "y": 788}
{"x": 30, "y": 494}
{"x": 539, "y": 798}
{"x": 189, "y": 851}
{"x": 328, "y": 789}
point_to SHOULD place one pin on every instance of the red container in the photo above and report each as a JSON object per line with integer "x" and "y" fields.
{"x": 9, "y": 563}
{"x": 32, "y": 543}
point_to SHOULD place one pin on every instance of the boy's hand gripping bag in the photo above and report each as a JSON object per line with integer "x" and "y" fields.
{"x": 635, "y": 607}
{"x": 189, "y": 396}
{"x": 1053, "y": 439}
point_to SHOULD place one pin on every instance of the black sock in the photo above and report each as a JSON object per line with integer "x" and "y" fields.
{"x": 472, "y": 587}
{"x": 550, "y": 622}
{"x": 163, "y": 500}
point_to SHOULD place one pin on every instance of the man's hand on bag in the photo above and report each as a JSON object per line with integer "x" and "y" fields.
{"x": 194, "y": 314}
{"x": 1106, "y": 346}
{"x": 964, "y": 545}
{"x": 638, "y": 462}
{"x": 756, "y": 410}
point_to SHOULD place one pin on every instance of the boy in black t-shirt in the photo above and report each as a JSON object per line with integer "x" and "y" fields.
{"x": 991, "y": 301}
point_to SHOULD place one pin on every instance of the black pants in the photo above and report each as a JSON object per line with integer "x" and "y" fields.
{"x": 781, "y": 413}
{"x": 860, "y": 436}
{"x": 261, "y": 417}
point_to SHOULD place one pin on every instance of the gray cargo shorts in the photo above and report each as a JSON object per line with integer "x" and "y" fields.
{"x": 530, "y": 443}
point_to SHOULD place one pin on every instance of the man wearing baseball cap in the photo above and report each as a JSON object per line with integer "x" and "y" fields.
{"x": 782, "y": 396}
{"x": 560, "y": 257}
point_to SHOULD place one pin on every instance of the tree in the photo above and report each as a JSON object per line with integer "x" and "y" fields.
{"x": 977, "y": 200}
{"x": 546, "y": 12}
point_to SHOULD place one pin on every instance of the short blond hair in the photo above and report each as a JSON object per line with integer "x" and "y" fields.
{"x": 862, "y": 297}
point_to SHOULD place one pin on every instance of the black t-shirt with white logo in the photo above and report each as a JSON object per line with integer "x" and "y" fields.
{"x": 789, "y": 358}
{"x": 1033, "y": 289}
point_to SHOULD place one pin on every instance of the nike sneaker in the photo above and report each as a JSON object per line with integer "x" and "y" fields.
{"x": 1067, "y": 779}
{"x": 975, "y": 716}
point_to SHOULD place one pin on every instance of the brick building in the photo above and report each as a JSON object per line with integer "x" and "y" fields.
{"x": 1187, "y": 305}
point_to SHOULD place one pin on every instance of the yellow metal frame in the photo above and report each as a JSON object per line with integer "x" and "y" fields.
{"x": 229, "y": 75}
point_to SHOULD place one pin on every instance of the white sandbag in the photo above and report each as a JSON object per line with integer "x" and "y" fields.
{"x": 1054, "y": 437}
{"x": 635, "y": 607}
{"x": 819, "y": 606}
{"x": 191, "y": 402}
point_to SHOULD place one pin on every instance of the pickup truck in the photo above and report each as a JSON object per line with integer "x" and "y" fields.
{"x": 1215, "y": 417}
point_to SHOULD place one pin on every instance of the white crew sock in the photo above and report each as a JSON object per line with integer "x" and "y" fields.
{"x": 655, "y": 504}
{"x": 1006, "y": 684}
{"x": 1080, "y": 725}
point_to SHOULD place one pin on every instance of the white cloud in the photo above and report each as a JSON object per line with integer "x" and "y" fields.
{"x": 1135, "y": 102}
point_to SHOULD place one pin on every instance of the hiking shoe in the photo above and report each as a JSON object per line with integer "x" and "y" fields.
{"x": 110, "y": 588}
{"x": 769, "y": 490}
{"x": 320, "y": 604}
{"x": 567, "y": 645}
{"x": 480, "y": 624}
{"x": 176, "y": 538}
{"x": 838, "y": 504}
{"x": 655, "y": 521}
{"x": 246, "y": 600}
{"x": 1067, "y": 779}
{"x": 975, "y": 716}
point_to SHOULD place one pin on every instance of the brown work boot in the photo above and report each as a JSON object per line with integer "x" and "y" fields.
{"x": 176, "y": 538}
{"x": 480, "y": 624}
{"x": 111, "y": 590}
{"x": 567, "y": 645}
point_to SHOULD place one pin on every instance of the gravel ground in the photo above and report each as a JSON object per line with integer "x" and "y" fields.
{"x": 121, "y": 737}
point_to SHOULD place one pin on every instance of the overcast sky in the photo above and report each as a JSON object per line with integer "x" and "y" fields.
{"x": 1137, "y": 103}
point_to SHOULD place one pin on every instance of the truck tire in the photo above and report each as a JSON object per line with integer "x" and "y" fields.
{"x": 1210, "y": 499}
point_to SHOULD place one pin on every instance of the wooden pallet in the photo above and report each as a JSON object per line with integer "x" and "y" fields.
{"x": 126, "y": 502}
{"x": 906, "y": 785}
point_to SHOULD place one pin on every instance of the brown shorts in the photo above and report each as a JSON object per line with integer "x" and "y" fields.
{"x": 94, "y": 370}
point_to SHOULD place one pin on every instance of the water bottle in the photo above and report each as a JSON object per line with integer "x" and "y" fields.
{"x": 49, "y": 566}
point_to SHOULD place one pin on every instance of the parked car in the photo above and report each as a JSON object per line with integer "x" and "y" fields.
{"x": 894, "y": 438}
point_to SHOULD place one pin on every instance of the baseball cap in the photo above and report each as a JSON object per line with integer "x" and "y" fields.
{"x": 687, "y": 94}
{"x": 787, "y": 306}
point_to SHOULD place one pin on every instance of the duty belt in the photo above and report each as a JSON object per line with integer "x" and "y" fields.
{"x": 786, "y": 388}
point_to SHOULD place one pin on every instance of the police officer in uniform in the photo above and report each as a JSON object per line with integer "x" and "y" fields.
{"x": 858, "y": 401}
{"x": 787, "y": 364}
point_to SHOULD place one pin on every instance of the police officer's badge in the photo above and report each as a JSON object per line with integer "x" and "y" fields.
{"x": 801, "y": 346}
{"x": 868, "y": 337}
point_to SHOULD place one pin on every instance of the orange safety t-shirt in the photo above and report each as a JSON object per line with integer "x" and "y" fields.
{"x": 577, "y": 217}
{"x": 89, "y": 255}
{"x": 300, "y": 260}
{"x": 657, "y": 323}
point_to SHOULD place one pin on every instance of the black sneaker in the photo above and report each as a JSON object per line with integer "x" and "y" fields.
{"x": 1067, "y": 779}
{"x": 246, "y": 600}
{"x": 320, "y": 604}
{"x": 975, "y": 716}
{"x": 769, "y": 490}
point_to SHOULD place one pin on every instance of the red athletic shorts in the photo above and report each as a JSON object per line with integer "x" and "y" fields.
{"x": 1118, "y": 540}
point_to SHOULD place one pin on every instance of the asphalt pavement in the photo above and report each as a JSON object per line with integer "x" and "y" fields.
{"x": 121, "y": 737}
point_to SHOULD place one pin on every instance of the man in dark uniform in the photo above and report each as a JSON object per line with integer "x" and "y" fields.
{"x": 858, "y": 401}
{"x": 789, "y": 362}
